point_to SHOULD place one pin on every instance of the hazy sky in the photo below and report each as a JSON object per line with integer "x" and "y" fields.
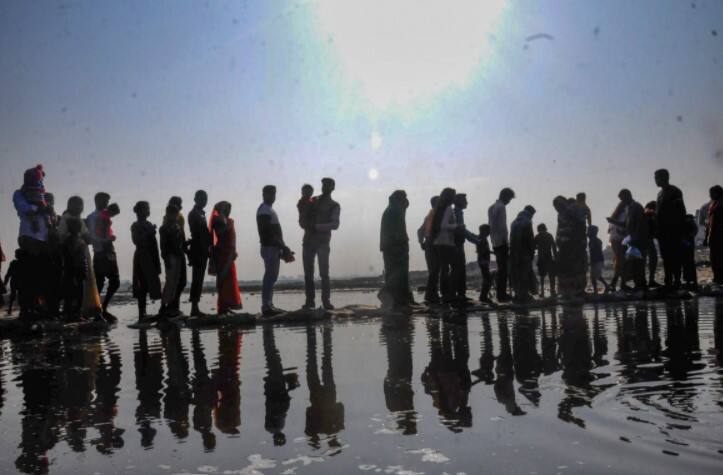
{"x": 148, "y": 99}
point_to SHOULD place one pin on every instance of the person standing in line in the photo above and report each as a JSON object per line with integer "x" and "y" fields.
{"x": 497, "y": 218}
{"x": 146, "y": 259}
{"x": 690, "y": 274}
{"x": 571, "y": 245}
{"x": 394, "y": 245}
{"x": 714, "y": 233}
{"x": 326, "y": 213}
{"x": 223, "y": 259}
{"x": 671, "y": 221}
{"x": 597, "y": 259}
{"x": 199, "y": 249}
{"x": 616, "y": 229}
{"x": 546, "y": 258}
{"x": 172, "y": 252}
{"x": 522, "y": 252}
{"x": 484, "y": 256}
{"x": 177, "y": 202}
{"x": 105, "y": 261}
{"x": 636, "y": 227}
{"x": 444, "y": 227}
{"x": 74, "y": 270}
{"x": 651, "y": 252}
{"x": 424, "y": 233}
{"x": 581, "y": 201}
{"x": 462, "y": 234}
{"x": 273, "y": 249}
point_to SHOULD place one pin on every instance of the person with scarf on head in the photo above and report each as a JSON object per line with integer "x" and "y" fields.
{"x": 394, "y": 245}
{"x": 522, "y": 253}
{"x": 223, "y": 259}
{"x": 714, "y": 233}
{"x": 146, "y": 260}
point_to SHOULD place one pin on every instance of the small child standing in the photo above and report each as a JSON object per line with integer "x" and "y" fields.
{"x": 546, "y": 258}
{"x": 483, "y": 260}
{"x": 597, "y": 259}
{"x": 75, "y": 268}
{"x": 12, "y": 279}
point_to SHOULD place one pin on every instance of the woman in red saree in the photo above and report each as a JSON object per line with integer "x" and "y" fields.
{"x": 223, "y": 259}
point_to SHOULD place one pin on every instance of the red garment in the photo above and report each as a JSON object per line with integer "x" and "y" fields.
{"x": 224, "y": 261}
{"x": 103, "y": 225}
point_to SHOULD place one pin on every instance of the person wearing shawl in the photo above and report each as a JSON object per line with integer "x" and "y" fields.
{"x": 571, "y": 243}
{"x": 394, "y": 244}
{"x": 177, "y": 202}
{"x": 522, "y": 252}
{"x": 146, "y": 260}
{"x": 223, "y": 259}
{"x": 172, "y": 248}
{"x": 91, "y": 306}
{"x": 714, "y": 233}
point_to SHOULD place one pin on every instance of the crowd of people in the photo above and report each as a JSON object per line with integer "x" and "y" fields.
{"x": 54, "y": 273}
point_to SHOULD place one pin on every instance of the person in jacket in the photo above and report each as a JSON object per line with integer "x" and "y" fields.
{"x": 497, "y": 219}
{"x": 199, "y": 249}
{"x": 146, "y": 259}
{"x": 424, "y": 236}
{"x": 394, "y": 245}
{"x": 671, "y": 221}
{"x": 272, "y": 248}
{"x": 522, "y": 252}
{"x": 462, "y": 235}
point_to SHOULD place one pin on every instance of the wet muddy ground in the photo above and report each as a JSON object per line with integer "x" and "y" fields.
{"x": 620, "y": 388}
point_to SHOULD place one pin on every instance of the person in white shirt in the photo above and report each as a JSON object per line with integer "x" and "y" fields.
{"x": 499, "y": 235}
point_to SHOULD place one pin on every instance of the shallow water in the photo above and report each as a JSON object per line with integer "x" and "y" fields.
{"x": 607, "y": 389}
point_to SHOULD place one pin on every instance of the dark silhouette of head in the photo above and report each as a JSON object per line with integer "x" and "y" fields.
{"x": 625, "y": 196}
{"x": 307, "y": 191}
{"x": 113, "y": 209}
{"x": 269, "y": 194}
{"x": 223, "y": 208}
{"x": 460, "y": 201}
{"x": 399, "y": 198}
{"x": 716, "y": 192}
{"x": 651, "y": 205}
{"x": 201, "y": 199}
{"x": 177, "y": 202}
{"x": 327, "y": 186}
{"x": 592, "y": 231}
{"x": 530, "y": 210}
{"x": 101, "y": 200}
{"x": 484, "y": 230}
{"x": 541, "y": 228}
{"x": 142, "y": 209}
{"x": 434, "y": 201}
{"x": 506, "y": 195}
{"x": 559, "y": 203}
{"x": 75, "y": 205}
{"x": 50, "y": 199}
{"x": 581, "y": 197}
{"x": 662, "y": 177}
{"x": 172, "y": 213}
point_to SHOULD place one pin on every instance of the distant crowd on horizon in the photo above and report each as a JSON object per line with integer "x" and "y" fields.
{"x": 55, "y": 276}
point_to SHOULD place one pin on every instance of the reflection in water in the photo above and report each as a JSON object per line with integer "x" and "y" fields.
{"x": 227, "y": 413}
{"x": 177, "y": 397}
{"x": 276, "y": 388}
{"x": 325, "y": 415}
{"x": 504, "y": 384}
{"x": 447, "y": 378}
{"x": 527, "y": 361}
{"x": 149, "y": 383}
{"x": 204, "y": 394}
{"x": 397, "y": 336}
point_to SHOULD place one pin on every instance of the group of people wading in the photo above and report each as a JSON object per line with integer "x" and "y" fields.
{"x": 54, "y": 269}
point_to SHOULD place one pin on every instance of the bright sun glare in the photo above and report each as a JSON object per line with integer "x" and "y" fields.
{"x": 399, "y": 51}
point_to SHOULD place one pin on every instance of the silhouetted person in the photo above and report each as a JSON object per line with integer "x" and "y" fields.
{"x": 223, "y": 262}
{"x": 177, "y": 202}
{"x": 276, "y": 389}
{"x": 273, "y": 249}
{"x": 204, "y": 394}
{"x": 636, "y": 229}
{"x": 397, "y": 337}
{"x": 172, "y": 244}
{"x": 714, "y": 233}
{"x": 671, "y": 218}
{"x": 444, "y": 226}
{"x": 227, "y": 414}
{"x": 651, "y": 251}
{"x": 325, "y": 213}
{"x": 497, "y": 216}
{"x": 581, "y": 201}
{"x": 148, "y": 364}
{"x": 617, "y": 233}
{"x": 505, "y": 373}
{"x": 424, "y": 235}
{"x": 177, "y": 395}
{"x": 199, "y": 249}
{"x": 484, "y": 256}
{"x": 690, "y": 231}
{"x": 597, "y": 259}
{"x": 522, "y": 253}
{"x": 546, "y": 258}
{"x": 105, "y": 261}
{"x": 146, "y": 259}
{"x": 53, "y": 274}
{"x": 305, "y": 207}
{"x": 576, "y": 358}
{"x": 527, "y": 361}
{"x": 12, "y": 278}
{"x": 571, "y": 248}
{"x": 107, "y": 389}
{"x": 74, "y": 270}
{"x": 461, "y": 235}
{"x": 394, "y": 245}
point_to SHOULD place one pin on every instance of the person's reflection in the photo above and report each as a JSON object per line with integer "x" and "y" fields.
{"x": 576, "y": 358}
{"x": 682, "y": 341}
{"x": 227, "y": 414}
{"x": 447, "y": 378}
{"x": 527, "y": 361}
{"x": 718, "y": 334}
{"x": 204, "y": 394}
{"x": 324, "y": 415}
{"x": 485, "y": 373}
{"x": 504, "y": 383}
{"x": 599, "y": 339}
{"x": 548, "y": 341}
{"x": 107, "y": 385}
{"x": 149, "y": 383}
{"x": 276, "y": 388}
{"x": 397, "y": 336}
{"x": 177, "y": 395}
{"x": 40, "y": 424}
{"x": 79, "y": 367}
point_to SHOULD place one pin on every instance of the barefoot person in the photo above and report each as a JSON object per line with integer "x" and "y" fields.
{"x": 394, "y": 244}
{"x": 223, "y": 259}
{"x": 497, "y": 218}
{"x": 172, "y": 248}
{"x": 105, "y": 261}
{"x": 273, "y": 248}
{"x": 199, "y": 250}
{"x": 326, "y": 213}
{"x": 146, "y": 260}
